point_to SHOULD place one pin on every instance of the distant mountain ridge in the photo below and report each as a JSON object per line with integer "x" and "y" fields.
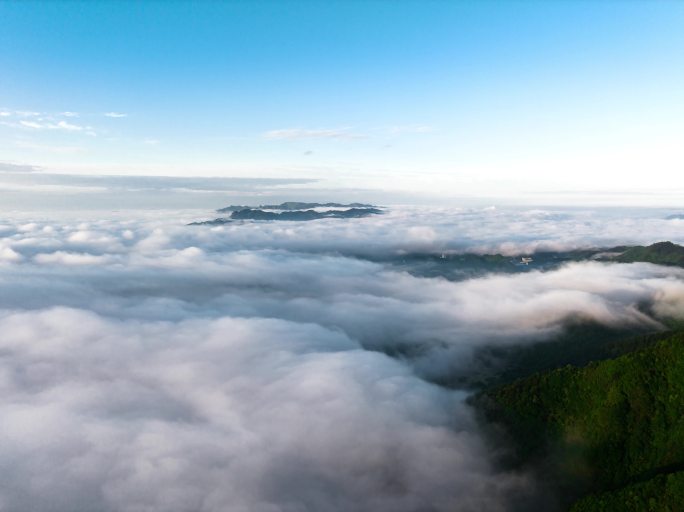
{"x": 302, "y": 215}
{"x": 293, "y": 205}
{"x": 293, "y": 211}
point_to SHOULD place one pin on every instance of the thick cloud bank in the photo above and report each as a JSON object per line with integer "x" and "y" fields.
{"x": 150, "y": 366}
{"x": 490, "y": 230}
{"x": 228, "y": 414}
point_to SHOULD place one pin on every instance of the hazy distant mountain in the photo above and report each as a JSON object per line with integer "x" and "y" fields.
{"x": 293, "y": 205}
{"x": 259, "y": 214}
{"x": 212, "y": 222}
{"x": 293, "y": 215}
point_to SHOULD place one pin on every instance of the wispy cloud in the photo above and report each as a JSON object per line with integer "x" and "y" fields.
{"x": 151, "y": 142}
{"x": 45, "y": 121}
{"x": 31, "y": 113}
{"x": 115, "y": 114}
{"x": 411, "y": 128}
{"x": 167, "y": 324}
{"x": 60, "y": 125}
{"x": 42, "y": 148}
{"x": 31, "y": 124}
{"x": 16, "y": 168}
{"x": 27, "y": 113}
{"x": 300, "y": 133}
{"x": 63, "y": 125}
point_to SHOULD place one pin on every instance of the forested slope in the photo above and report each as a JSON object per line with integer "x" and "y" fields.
{"x": 614, "y": 425}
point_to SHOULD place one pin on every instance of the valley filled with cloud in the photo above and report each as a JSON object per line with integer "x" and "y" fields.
{"x": 283, "y": 366}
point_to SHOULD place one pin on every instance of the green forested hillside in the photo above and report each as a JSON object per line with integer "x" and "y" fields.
{"x": 579, "y": 344}
{"x": 662, "y": 493}
{"x": 662, "y": 253}
{"x": 602, "y": 427}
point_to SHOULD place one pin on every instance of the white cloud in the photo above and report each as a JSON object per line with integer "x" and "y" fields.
{"x": 240, "y": 414}
{"x": 165, "y": 367}
{"x": 9, "y": 254}
{"x": 63, "y": 125}
{"x": 300, "y": 133}
{"x": 510, "y": 231}
{"x": 49, "y": 148}
{"x": 32, "y": 124}
{"x": 115, "y": 114}
{"x": 47, "y": 125}
{"x": 30, "y": 113}
{"x": 27, "y": 113}
{"x": 411, "y": 128}
{"x": 69, "y": 258}
{"x": 18, "y": 168}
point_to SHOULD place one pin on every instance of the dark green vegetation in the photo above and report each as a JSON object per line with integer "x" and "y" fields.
{"x": 292, "y": 210}
{"x": 302, "y": 215}
{"x": 579, "y": 344}
{"x": 293, "y": 205}
{"x": 661, "y": 253}
{"x": 662, "y": 493}
{"x": 296, "y": 215}
{"x": 456, "y": 267}
{"x": 610, "y": 433}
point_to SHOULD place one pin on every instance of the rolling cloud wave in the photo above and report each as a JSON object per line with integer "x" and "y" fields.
{"x": 149, "y": 366}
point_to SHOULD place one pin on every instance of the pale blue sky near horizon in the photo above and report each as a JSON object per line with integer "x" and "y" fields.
{"x": 472, "y": 97}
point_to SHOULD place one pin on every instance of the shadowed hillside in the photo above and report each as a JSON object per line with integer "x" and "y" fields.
{"x": 612, "y": 426}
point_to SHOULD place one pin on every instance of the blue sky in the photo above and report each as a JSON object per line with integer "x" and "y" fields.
{"x": 479, "y": 97}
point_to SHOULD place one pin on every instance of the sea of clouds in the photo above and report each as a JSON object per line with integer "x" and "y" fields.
{"x": 147, "y": 365}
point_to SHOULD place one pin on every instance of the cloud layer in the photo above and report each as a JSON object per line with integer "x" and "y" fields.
{"x": 508, "y": 231}
{"x": 239, "y": 414}
{"x": 146, "y": 365}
